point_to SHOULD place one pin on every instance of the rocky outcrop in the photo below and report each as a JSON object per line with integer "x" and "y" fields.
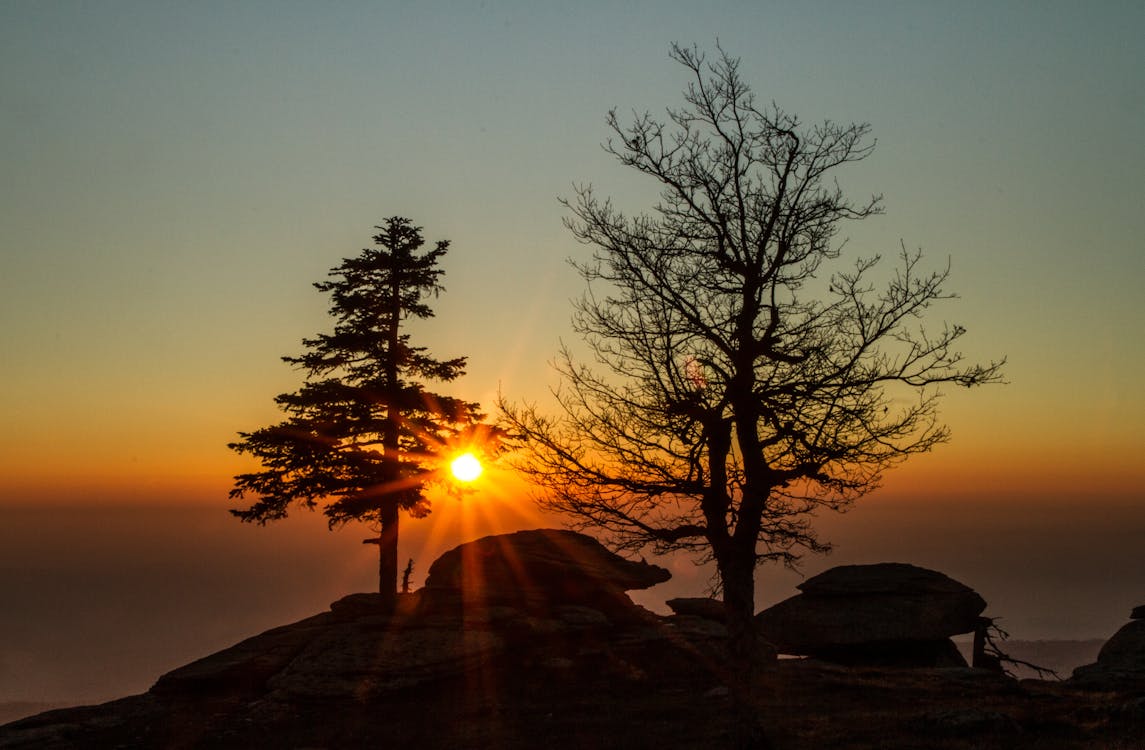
{"x": 1121, "y": 662}
{"x": 246, "y": 666}
{"x": 504, "y": 611}
{"x": 443, "y": 671}
{"x": 534, "y": 569}
{"x": 889, "y": 614}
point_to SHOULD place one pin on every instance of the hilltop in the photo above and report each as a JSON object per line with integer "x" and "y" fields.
{"x": 557, "y": 663}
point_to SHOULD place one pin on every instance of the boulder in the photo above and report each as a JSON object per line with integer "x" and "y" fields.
{"x": 539, "y": 569}
{"x": 875, "y": 614}
{"x": 882, "y": 578}
{"x": 1120, "y": 663}
{"x": 1126, "y": 649}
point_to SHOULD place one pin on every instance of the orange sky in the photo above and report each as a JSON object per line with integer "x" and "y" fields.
{"x": 182, "y": 458}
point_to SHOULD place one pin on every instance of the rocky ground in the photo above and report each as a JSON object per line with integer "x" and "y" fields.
{"x": 569, "y": 682}
{"x": 497, "y": 666}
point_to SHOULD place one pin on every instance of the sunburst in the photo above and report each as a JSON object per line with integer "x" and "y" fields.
{"x": 466, "y": 467}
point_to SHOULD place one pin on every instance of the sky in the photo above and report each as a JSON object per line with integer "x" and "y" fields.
{"x": 177, "y": 175}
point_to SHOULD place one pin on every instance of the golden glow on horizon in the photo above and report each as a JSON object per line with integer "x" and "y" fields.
{"x": 498, "y": 502}
{"x": 466, "y": 467}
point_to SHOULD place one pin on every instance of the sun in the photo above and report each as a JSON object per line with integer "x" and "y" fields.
{"x": 466, "y": 467}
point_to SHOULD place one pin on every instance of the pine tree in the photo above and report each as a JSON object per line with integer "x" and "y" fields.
{"x": 363, "y": 435}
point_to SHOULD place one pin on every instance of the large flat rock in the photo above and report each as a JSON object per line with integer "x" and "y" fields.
{"x": 870, "y": 604}
{"x": 540, "y": 565}
{"x": 881, "y": 578}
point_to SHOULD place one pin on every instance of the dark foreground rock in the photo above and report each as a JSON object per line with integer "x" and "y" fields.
{"x": 450, "y": 671}
{"x": 494, "y": 676}
{"x": 574, "y": 681}
{"x": 889, "y": 614}
{"x": 1120, "y": 663}
{"x": 695, "y": 606}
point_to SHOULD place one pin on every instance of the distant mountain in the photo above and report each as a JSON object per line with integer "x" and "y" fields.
{"x": 1060, "y": 656}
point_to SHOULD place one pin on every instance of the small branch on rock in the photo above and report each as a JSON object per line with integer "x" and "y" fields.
{"x": 406, "y": 575}
{"x": 987, "y": 652}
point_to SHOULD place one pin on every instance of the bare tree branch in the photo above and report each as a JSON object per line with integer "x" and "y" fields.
{"x": 745, "y": 374}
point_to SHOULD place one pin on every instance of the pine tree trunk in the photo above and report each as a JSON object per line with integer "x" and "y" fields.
{"x": 388, "y": 557}
{"x": 388, "y": 538}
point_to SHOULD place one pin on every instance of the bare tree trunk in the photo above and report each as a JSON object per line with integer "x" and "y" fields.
{"x": 747, "y": 656}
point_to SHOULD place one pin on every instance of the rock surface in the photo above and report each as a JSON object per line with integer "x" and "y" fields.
{"x": 698, "y": 606}
{"x": 533, "y": 568}
{"x": 1120, "y": 663}
{"x": 562, "y": 676}
{"x": 546, "y": 604}
{"x": 889, "y": 613}
{"x": 883, "y": 578}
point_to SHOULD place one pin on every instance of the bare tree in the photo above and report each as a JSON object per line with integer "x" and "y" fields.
{"x": 744, "y": 375}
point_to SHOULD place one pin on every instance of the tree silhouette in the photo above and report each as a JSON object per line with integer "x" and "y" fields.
{"x": 743, "y": 378}
{"x": 363, "y": 434}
